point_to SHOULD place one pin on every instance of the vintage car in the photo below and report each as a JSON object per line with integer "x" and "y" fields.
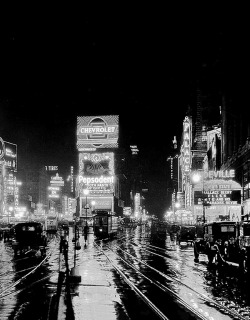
{"x": 29, "y": 237}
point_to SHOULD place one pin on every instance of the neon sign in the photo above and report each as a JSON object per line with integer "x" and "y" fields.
{"x": 226, "y": 174}
{"x": 97, "y": 132}
{"x": 2, "y": 148}
{"x": 101, "y": 179}
{"x": 186, "y": 148}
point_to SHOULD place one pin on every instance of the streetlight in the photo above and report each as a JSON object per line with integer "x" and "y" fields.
{"x": 11, "y": 209}
{"x": 86, "y": 192}
{"x": 176, "y": 206}
{"x": 92, "y": 204}
{"x": 196, "y": 177}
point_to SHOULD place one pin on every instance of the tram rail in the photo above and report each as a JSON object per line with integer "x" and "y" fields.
{"x": 206, "y": 299}
{"x": 10, "y": 289}
{"x": 196, "y": 314}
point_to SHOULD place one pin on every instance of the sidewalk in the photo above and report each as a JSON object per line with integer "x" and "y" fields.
{"x": 95, "y": 295}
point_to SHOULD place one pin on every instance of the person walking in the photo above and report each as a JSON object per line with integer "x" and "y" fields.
{"x": 85, "y": 232}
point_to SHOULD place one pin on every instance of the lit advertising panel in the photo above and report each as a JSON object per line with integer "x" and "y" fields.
{"x": 97, "y": 132}
{"x": 213, "y": 197}
{"x": 186, "y": 146}
{"x": 127, "y": 211}
{"x": 10, "y": 155}
{"x": 137, "y": 203}
{"x": 1, "y": 187}
{"x": 96, "y": 172}
{"x": 2, "y": 148}
{"x": 57, "y": 181}
{"x": 54, "y": 192}
{"x": 181, "y": 199}
{"x": 100, "y": 203}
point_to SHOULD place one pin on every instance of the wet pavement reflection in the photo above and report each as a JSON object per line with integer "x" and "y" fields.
{"x": 162, "y": 270}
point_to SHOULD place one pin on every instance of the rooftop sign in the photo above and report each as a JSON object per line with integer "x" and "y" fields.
{"x": 97, "y": 132}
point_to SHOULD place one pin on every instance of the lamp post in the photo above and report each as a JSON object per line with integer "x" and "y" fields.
{"x": 92, "y": 205}
{"x": 197, "y": 178}
{"x": 86, "y": 192}
{"x": 176, "y": 206}
{"x": 11, "y": 209}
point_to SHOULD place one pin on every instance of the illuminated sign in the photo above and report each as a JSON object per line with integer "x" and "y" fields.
{"x": 101, "y": 184}
{"x": 2, "y": 148}
{"x": 54, "y": 195}
{"x": 54, "y": 191}
{"x": 96, "y": 172}
{"x": 57, "y": 180}
{"x": 226, "y": 174}
{"x": 72, "y": 178}
{"x": 96, "y": 163}
{"x": 51, "y": 168}
{"x": 181, "y": 199}
{"x": 100, "y": 203}
{"x": 54, "y": 188}
{"x": 97, "y": 132}
{"x": 186, "y": 147}
{"x": 134, "y": 150}
{"x": 127, "y": 211}
{"x": 213, "y": 197}
{"x": 10, "y": 156}
{"x": 137, "y": 202}
{"x": 99, "y": 180}
{"x": 102, "y": 179}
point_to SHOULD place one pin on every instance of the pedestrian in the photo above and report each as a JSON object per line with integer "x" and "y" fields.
{"x": 233, "y": 250}
{"x": 85, "y": 232}
{"x": 225, "y": 251}
{"x": 196, "y": 250}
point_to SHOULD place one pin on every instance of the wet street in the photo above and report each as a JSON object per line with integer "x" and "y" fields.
{"x": 149, "y": 277}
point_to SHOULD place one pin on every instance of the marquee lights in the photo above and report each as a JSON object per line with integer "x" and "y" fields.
{"x": 226, "y": 174}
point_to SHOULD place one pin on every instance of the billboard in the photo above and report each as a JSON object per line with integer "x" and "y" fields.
{"x": 96, "y": 172}
{"x": 10, "y": 155}
{"x": 96, "y": 203}
{"x": 95, "y": 132}
{"x": 57, "y": 181}
{"x": 2, "y": 148}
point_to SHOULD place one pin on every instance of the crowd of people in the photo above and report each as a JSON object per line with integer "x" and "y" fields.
{"x": 233, "y": 251}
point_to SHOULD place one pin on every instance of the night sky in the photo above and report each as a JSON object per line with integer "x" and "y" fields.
{"x": 141, "y": 63}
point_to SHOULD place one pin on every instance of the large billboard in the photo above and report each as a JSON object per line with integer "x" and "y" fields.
{"x": 10, "y": 155}
{"x": 95, "y": 132}
{"x": 96, "y": 172}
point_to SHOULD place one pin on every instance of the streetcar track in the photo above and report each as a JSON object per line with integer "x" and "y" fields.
{"x": 145, "y": 299}
{"x": 27, "y": 274}
{"x": 3, "y": 275}
{"x": 160, "y": 286}
{"x": 204, "y": 297}
{"x": 196, "y": 268}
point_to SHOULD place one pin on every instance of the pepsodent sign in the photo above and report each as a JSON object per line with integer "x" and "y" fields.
{"x": 100, "y": 179}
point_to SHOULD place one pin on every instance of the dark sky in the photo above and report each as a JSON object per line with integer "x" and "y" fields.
{"x": 138, "y": 62}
